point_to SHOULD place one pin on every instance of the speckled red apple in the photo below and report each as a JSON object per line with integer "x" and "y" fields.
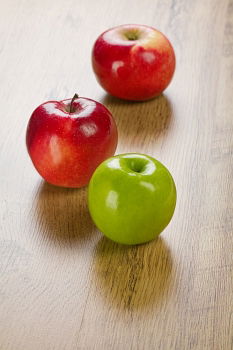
{"x": 68, "y": 139}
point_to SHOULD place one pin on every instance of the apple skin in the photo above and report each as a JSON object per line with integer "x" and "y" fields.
{"x": 66, "y": 146}
{"x": 131, "y": 198}
{"x": 133, "y": 62}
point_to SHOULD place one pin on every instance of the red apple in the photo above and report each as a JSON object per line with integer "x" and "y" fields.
{"x": 68, "y": 139}
{"x": 133, "y": 62}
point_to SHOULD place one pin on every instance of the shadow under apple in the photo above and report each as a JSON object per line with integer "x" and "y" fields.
{"x": 140, "y": 124}
{"x": 132, "y": 278}
{"x": 63, "y": 214}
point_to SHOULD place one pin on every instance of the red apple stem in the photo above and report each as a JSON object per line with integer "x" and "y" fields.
{"x": 72, "y": 101}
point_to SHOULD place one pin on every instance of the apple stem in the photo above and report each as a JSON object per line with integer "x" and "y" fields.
{"x": 72, "y": 101}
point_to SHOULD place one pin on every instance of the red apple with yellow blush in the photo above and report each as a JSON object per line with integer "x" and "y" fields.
{"x": 133, "y": 62}
{"x": 68, "y": 139}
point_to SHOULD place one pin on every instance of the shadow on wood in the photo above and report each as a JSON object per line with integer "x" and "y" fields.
{"x": 133, "y": 277}
{"x": 63, "y": 214}
{"x": 140, "y": 123}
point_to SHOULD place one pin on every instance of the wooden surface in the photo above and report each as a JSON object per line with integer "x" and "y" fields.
{"x": 64, "y": 286}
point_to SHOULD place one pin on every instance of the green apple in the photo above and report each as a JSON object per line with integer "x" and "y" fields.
{"x": 131, "y": 198}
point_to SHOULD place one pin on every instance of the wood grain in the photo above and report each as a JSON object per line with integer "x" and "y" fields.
{"x": 64, "y": 286}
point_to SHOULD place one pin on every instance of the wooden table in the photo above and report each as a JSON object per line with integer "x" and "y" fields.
{"x": 64, "y": 286}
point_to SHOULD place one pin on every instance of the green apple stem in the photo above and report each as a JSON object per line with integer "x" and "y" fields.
{"x": 72, "y": 101}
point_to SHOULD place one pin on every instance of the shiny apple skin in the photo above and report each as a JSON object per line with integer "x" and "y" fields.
{"x": 137, "y": 69}
{"x": 65, "y": 147}
{"x": 131, "y": 198}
